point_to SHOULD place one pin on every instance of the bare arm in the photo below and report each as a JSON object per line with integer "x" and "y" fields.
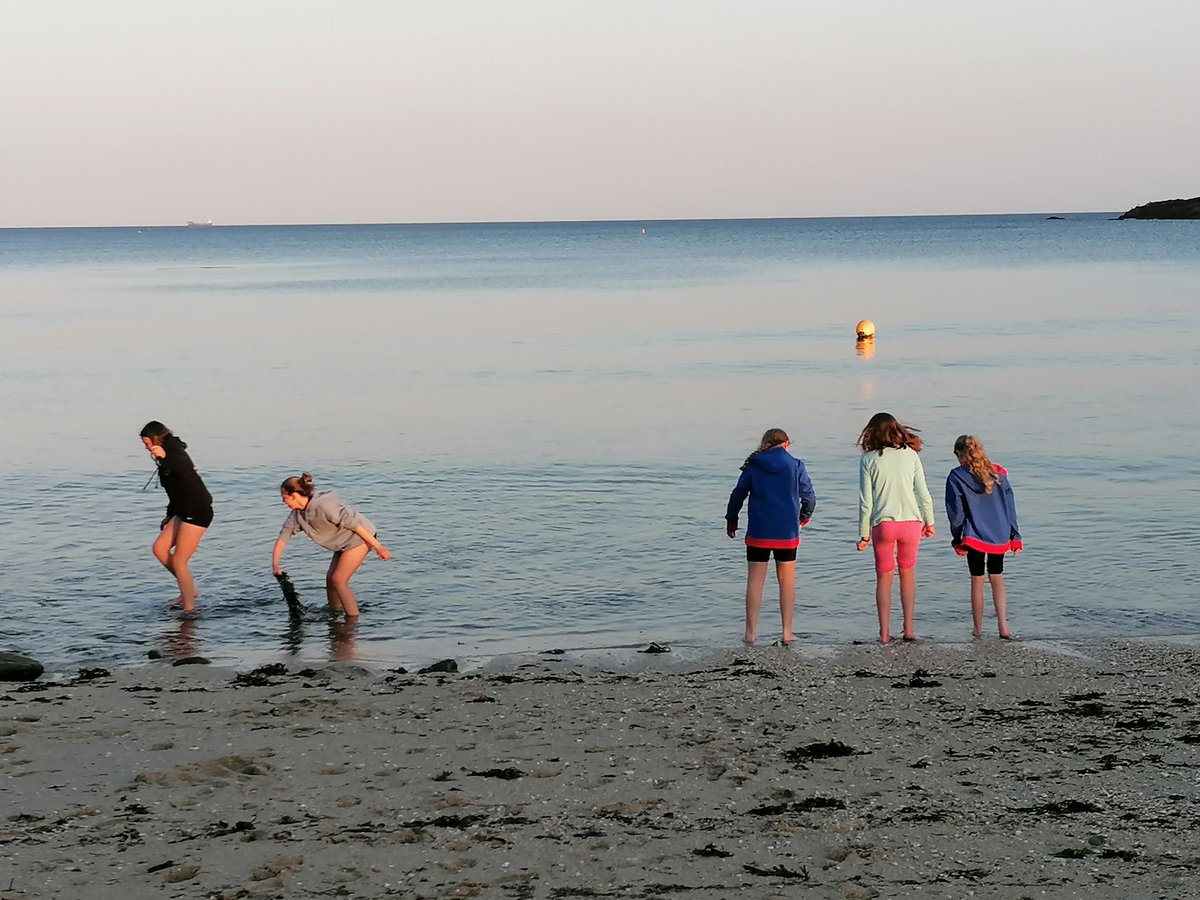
{"x": 277, "y": 555}
{"x": 381, "y": 551}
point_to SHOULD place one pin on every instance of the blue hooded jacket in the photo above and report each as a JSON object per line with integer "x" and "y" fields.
{"x": 979, "y": 520}
{"x": 780, "y": 493}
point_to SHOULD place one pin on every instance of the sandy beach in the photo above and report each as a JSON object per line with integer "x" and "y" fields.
{"x": 989, "y": 769}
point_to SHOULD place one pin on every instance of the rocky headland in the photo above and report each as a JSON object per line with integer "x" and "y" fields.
{"x": 1165, "y": 209}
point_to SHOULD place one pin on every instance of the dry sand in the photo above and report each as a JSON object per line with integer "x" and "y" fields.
{"x": 982, "y": 770}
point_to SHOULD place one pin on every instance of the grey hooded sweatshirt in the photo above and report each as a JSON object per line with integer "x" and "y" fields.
{"x": 328, "y": 521}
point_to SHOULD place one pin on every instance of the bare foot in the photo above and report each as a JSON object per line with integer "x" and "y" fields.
{"x": 787, "y": 639}
{"x": 1006, "y": 636}
{"x": 885, "y": 639}
{"x": 911, "y": 638}
{"x": 749, "y": 640}
{"x": 177, "y": 602}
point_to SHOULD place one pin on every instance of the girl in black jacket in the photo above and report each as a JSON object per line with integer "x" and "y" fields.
{"x": 189, "y": 509}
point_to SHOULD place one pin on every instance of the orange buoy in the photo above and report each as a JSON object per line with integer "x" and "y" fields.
{"x": 865, "y": 330}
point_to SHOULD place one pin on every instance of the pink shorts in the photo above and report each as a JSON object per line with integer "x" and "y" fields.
{"x": 895, "y": 543}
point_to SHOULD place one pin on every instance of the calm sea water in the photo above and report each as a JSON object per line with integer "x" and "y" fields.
{"x": 544, "y": 422}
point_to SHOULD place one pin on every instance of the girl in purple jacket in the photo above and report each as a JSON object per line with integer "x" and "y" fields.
{"x": 781, "y": 503}
{"x": 983, "y": 525}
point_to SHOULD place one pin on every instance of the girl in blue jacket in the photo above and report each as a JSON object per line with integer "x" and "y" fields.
{"x": 781, "y": 503}
{"x": 983, "y": 525}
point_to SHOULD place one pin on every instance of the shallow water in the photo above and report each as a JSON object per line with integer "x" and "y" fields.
{"x": 544, "y": 422}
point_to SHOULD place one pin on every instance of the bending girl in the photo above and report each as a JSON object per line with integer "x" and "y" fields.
{"x": 983, "y": 526}
{"x": 189, "y": 509}
{"x": 894, "y": 512}
{"x": 334, "y": 526}
{"x": 781, "y": 503}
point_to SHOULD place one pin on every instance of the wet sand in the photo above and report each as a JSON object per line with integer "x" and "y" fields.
{"x": 990, "y": 769}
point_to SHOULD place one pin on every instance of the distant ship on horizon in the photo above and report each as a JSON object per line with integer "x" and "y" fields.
{"x": 192, "y": 224}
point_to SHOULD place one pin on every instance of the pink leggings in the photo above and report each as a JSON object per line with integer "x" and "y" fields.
{"x": 895, "y": 543}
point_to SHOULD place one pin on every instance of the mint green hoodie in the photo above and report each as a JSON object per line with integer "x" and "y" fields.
{"x": 891, "y": 488}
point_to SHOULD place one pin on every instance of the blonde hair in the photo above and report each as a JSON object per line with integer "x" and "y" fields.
{"x": 968, "y": 449}
{"x": 298, "y": 484}
{"x": 772, "y": 437}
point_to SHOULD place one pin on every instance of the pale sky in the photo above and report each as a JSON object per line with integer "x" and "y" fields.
{"x": 142, "y": 112}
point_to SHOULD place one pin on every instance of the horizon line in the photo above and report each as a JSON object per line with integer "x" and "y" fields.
{"x": 446, "y": 222}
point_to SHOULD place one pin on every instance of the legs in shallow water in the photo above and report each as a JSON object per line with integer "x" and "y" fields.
{"x": 883, "y": 605}
{"x": 786, "y": 573}
{"x": 999, "y": 600}
{"x": 756, "y": 577}
{"x": 337, "y": 579}
{"x": 908, "y": 601}
{"x": 174, "y": 548}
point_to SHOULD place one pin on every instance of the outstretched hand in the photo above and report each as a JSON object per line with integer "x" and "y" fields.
{"x": 383, "y": 552}
{"x": 861, "y": 545}
{"x": 276, "y": 569}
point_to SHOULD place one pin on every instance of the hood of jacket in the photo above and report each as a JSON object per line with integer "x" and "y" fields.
{"x": 171, "y": 442}
{"x": 970, "y": 481}
{"x": 773, "y": 461}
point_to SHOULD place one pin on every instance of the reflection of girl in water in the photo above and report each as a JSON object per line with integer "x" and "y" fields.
{"x": 334, "y": 526}
{"x": 189, "y": 509}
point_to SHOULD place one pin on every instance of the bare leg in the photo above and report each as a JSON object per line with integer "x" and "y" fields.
{"x": 786, "y": 573}
{"x": 883, "y": 603}
{"x": 908, "y": 600}
{"x": 161, "y": 548}
{"x": 337, "y": 580}
{"x": 187, "y": 539}
{"x": 1000, "y": 599}
{"x": 756, "y": 577}
{"x": 977, "y": 605}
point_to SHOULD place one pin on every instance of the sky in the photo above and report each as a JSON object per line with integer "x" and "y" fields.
{"x": 154, "y": 112}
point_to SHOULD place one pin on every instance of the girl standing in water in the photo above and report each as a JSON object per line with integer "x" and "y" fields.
{"x": 189, "y": 509}
{"x": 781, "y": 503}
{"x": 894, "y": 512}
{"x": 334, "y": 526}
{"x": 983, "y": 526}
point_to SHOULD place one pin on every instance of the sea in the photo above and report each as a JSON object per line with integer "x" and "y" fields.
{"x": 544, "y": 422}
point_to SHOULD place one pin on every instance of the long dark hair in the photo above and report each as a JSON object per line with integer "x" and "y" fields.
{"x": 772, "y": 437}
{"x": 156, "y": 431}
{"x": 883, "y": 430}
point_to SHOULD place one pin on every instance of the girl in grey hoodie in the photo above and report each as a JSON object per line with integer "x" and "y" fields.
{"x": 334, "y": 526}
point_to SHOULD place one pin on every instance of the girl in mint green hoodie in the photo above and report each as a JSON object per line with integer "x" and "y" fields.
{"x": 895, "y": 511}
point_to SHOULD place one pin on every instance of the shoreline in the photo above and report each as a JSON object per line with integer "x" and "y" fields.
{"x": 927, "y": 770}
{"x": 607, "y": 657}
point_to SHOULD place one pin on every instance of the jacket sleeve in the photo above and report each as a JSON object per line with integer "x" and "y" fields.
{"x": 921, "y": 489}
{"x": 290, "y": 526}
{"x": 808, "y": 497}
{"x": 955, "y": 511}
{"x": 738, "y": 497}
{"x": 865, "y": 498}
{"x": 1010, "y": 508}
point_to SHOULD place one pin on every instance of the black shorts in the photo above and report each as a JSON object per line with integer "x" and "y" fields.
{"x": 202, "y": 518}
{"x": 763, "y": 554}
{"x": 975, "y": 561}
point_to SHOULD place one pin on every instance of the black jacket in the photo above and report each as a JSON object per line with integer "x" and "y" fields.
{"x": 186, "y": 493}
